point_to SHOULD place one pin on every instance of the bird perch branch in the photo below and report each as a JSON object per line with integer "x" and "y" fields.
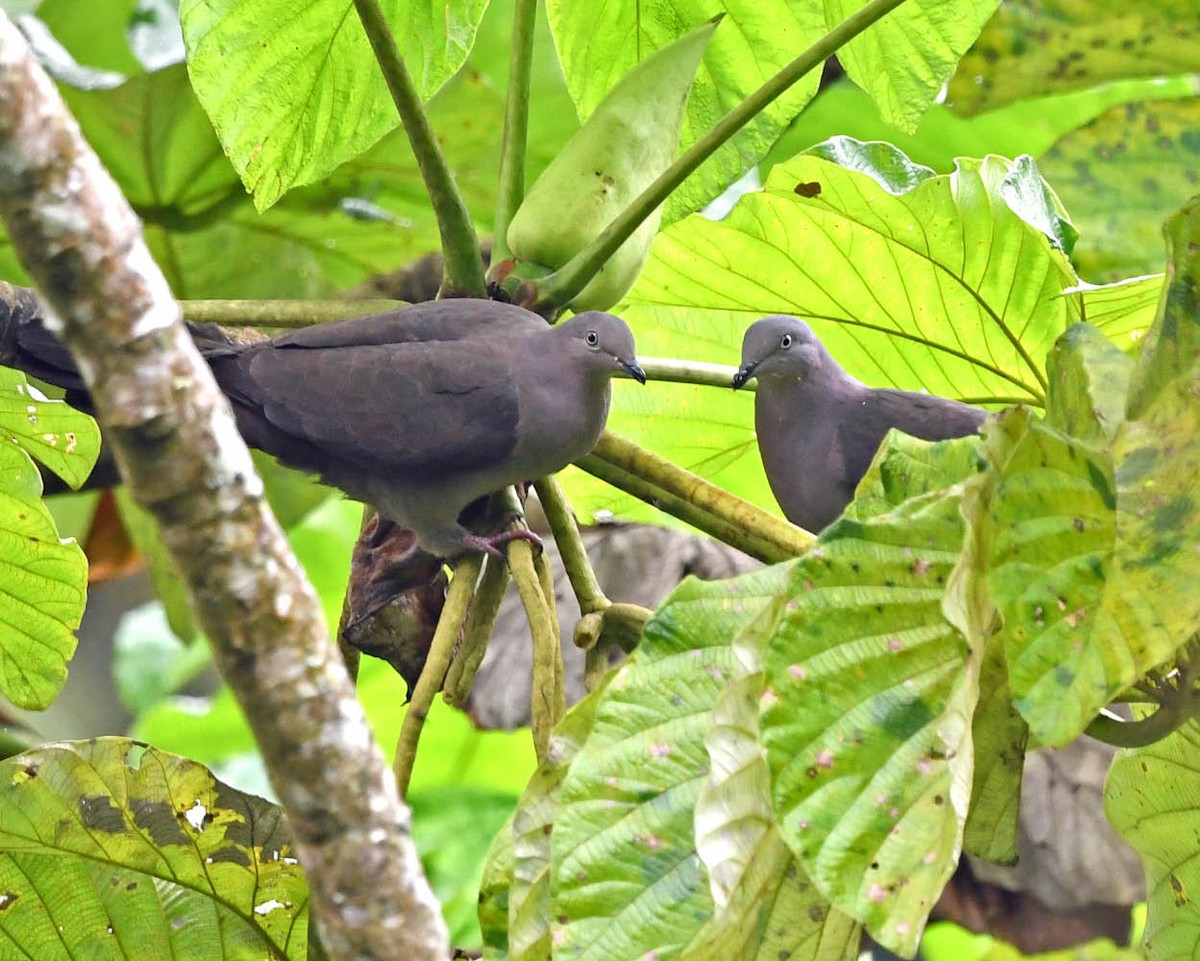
{"x": 181, "y": 455}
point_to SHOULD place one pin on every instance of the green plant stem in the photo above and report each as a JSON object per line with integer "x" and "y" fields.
{"x": 280, "y": 313}
{"x": 462, "y": 270}
{"x": 441, "y": 649}
{"x": 565, "y": 283}
{"x": 689, "y": 497}
{"x": 575, "y": 561}
{"x": 671, "y": 371}
{"x": 1120, "y": 733}
{"x": 476, "y": 633}
{"x": 516, "y": 126}
{"x": 544, "y": 712}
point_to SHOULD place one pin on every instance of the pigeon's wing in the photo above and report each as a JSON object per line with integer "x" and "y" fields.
{"x": 409, "y": 410}
{"x": 438, "y": 320}
{"x": 921, "y": 415}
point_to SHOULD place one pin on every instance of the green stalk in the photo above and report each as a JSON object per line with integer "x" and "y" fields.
{"x": 516, "y": 127}
{"x": 692, "y": 499}
{"x": 565, "y": 283}
{"x": 462, "y": 271}
{"x": 280, "y": 313}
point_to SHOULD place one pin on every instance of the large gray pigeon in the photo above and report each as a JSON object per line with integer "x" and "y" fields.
{"x": 418, "y": 411}
{"x": 818, "y": 428}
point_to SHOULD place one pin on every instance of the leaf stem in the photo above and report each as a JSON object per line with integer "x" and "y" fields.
{"x": 689, "y": 497}
{"x": 280, "y": 313}
{"x": 516, "y": 126}
{"x": 462, "y": 271}
{"x": 441, "y": 649}
{"x": 565, "y": 283}
{"x": 575, "y": 561}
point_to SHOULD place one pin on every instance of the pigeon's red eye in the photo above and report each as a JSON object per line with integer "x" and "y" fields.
{"x": 786, "y": 342}
{"x": 592, "y": 338}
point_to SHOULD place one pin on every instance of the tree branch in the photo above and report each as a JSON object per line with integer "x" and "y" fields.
{"x": 179, "y": 450}
{"x": 462, "y": 271}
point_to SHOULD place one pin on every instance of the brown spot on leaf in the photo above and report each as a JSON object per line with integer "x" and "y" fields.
{"x": 809, "y": 189}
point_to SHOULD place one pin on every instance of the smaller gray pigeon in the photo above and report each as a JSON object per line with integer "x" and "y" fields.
{"x": 819, "y": 428}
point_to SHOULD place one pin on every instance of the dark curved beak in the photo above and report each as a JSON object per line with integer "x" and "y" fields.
{"x": 744, "y": 373}
{"x": 633, "y": 369}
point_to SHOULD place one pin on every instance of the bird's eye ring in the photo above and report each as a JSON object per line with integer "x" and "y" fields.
{"x": 786, "y": 342}
{"x": 592, "y": 338}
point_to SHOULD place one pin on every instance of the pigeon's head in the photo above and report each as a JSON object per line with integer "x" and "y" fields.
{"x": 604, "y": 343}
{"x": 778, "y": 346}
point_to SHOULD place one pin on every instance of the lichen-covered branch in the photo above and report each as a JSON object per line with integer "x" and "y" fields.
{"x": 180, "y": 453}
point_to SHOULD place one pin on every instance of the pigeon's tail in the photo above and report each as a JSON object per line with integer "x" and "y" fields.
{"x": 27, "y": 345}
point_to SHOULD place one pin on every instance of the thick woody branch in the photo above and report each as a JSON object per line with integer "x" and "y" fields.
{"x": 176, "y": 444}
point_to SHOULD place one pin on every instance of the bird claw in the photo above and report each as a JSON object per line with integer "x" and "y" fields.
{"x": 493, "y": 543}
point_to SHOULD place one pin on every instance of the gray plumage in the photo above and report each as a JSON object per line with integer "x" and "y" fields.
{"x": 418, "y": 411}
{"x": 819, "y": 428}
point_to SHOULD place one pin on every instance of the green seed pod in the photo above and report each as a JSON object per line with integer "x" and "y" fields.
{"x": 627, "y": 142}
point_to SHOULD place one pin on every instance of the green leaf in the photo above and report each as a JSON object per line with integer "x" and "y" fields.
{"x": 1170, "y": 351}
{"x": 627, "y": 880}
{"x": 108, "y": 842}
{"x": 532, "y": 826}
{"x": 962, "y": 299}
{"x": 767, "y": 908}
{"x": 1094, "y": 563}
{"x": 493, "y": 894}
{"x": 999, "y": 735}
{"x": 58, "y": 435}
{"x": 1152, "y": 798}
{"x": 1031, "y": 198}
{"x": 866, "y": 715}
{"x": 1022, "y": 127}
{"x": 1089, "y": 381}
{"x": 45, "y": 588}
{"x": 1039, "y": 47}
{"x": 1120, "y": 176}
{"x": 598, "y": 43}
{"x": 905, "y": 59}
{"x": 293, "y": 94}
{"x": 1123, "y": 310}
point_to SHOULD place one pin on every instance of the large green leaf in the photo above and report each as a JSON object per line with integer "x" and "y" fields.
{"x": 767, "y": 907}
{"x": 626, "y": 878}
{"x": 940, "y": 286}
{"x": 295, "y": 92}
{"x": 1153, "y": 798}
{"x": 45, "y": 585}
{"x": 114, "y": 849}
{"x": 1120, "y": 176}
{"x": 532, "y": 827}
{"x": 59, "y": 436}
{"x": 906, "y": 59}
{"x": 1123, "y": 311}
{"x": 1024, "y": 126}
{"x": 1035, "y": 47}
{"x": 1094, "y": 514}
{"x": 867, "y": 708}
